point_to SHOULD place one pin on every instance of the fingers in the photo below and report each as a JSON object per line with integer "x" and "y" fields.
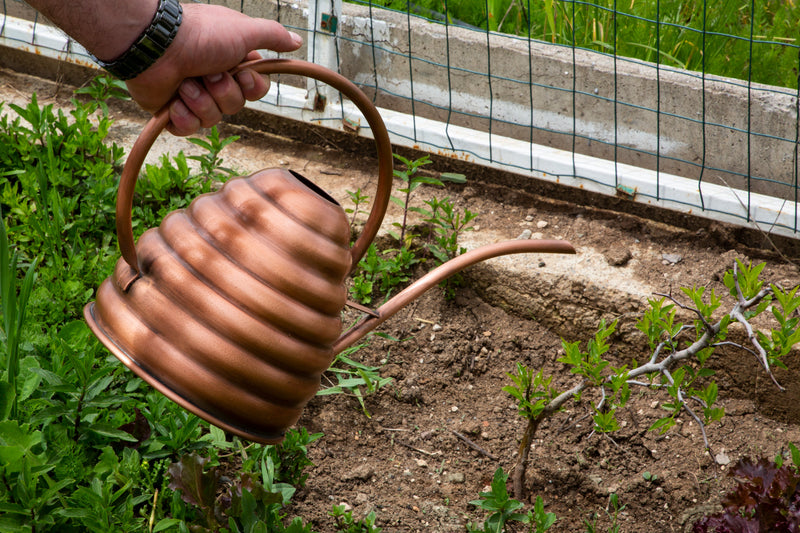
{"x": 202, "y": 102}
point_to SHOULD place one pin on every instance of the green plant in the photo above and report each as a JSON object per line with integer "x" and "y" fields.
{"x": 676, "y": 364}
{"x": 413, "y": 179}
{"x": 103, "y": 88}
{"x": 505, "y": 510}
{"x": 84, "y": 446}
{"x": 210, "y": 161}
{"x": 766, "y": 498}
{"x": 381, "y": 271}
{"x": 358, "y": 198}
{"x": 448, "y": 224}
{"x": 612, "y": 511}
{"x": 345, "y": 522}
{"x": 13, "y": 302}
{"x": 354, "y": 378}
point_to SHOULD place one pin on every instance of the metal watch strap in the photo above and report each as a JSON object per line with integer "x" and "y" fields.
{"x": 150, "y": 45}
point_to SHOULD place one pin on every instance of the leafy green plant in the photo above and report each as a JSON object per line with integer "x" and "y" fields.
{"x": 354, "y": 378}
{"x": 210, "y": 161}
{"x": 381, "y": 271}
{"x": 413, "y": 180}
{"x": 251, "y": 502}
{"x": 448, "y": 224}
{"x": 345, "y": 522}
{"x": 505, "y": 510}
{"x": 766, "y": 498}
{"x": 358, "y": 198}
{"x": 83, "y": 445}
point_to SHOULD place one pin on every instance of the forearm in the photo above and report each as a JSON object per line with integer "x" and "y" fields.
{"x": 106, "y": 28}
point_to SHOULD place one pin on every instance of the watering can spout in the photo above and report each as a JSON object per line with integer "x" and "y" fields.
{"x": 416, "y": 289}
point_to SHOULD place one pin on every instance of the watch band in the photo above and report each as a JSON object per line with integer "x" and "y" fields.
{"x": 150, "y": 45}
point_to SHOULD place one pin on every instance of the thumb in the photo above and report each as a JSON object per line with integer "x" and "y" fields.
{"x": 271, "y": 35}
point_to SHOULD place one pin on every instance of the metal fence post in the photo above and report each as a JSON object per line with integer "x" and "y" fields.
{"x": 323, "y": 23}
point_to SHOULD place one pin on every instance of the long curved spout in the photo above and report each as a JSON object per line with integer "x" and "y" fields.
{"x": 416, "y": 289}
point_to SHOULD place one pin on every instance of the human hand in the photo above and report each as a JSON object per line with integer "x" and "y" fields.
{"x": 210, "y": 42}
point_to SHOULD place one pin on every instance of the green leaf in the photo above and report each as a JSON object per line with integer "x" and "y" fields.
{"x": 105, "y": 430}
{"x": 7, "y": 396}
{"x": 453, "y": 177}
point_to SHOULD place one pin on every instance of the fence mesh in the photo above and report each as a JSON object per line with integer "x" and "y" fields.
{"x": 688, "y": 104}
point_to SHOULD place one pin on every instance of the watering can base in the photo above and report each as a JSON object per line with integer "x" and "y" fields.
{"x": 160, "y": 386}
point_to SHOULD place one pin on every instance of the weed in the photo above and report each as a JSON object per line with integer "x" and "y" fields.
{"x": 504, "y": 510}
{"x": 345, "y": 523}
{"x": 612, "y": 511}
{"x": 413, "y": 179}
{"x": 382, "y": 271}
{"x": 354, "y": 378}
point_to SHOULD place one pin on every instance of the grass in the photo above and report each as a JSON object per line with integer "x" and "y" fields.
{"x": 740, "y": 39}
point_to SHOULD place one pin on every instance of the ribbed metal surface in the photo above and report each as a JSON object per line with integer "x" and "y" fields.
{"x": 237, "y": 303}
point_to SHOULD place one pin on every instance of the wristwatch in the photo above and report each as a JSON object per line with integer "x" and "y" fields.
{"x": 150, "y": 45}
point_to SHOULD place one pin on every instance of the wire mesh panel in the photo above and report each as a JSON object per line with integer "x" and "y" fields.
{"x": 690, "y": 105}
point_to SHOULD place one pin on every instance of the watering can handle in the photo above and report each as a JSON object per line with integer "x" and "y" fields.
{"x": 160, "y": 120}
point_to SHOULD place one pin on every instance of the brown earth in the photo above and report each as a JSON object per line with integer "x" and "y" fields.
{"x": 439, "y": 431}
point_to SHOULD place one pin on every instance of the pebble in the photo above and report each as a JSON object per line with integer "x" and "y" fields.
{"x": 362, "y": 473}
{"x": 618, "y": 257}
{"x": 722, "y": 458}
{"x": 541, "y": 224}
{"x": 456, "y": 477}
{"x": 436, "y": 327}
{"x": 672, "y": 258}
{"x": 525, "y": 235}
{"x": 529, "y": 218}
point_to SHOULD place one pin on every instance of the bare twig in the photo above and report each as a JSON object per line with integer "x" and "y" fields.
{"x": 420, "y": 450}
{"x": 473, "y": 445}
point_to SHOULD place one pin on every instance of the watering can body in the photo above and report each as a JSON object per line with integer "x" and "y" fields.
{"x": 237, "y": 303}
{"x": 231, "y": 307}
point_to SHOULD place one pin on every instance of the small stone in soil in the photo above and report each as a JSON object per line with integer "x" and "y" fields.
{"x": 618, "y": 257}
{"x": 456, "y": 477}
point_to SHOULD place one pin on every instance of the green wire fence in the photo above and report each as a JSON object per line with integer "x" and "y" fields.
{"x": 686, "y": 104}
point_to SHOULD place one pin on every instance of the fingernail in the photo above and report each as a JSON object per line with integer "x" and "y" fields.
{"x": 190, "y": 89}
{"x": 180, "y": 109}
{"x": 245, "y": 80}
{"x": 296, "y": 38}
{"x": 214, "y": 78}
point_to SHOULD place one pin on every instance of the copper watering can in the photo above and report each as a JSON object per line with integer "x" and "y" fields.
{"x": 231, "y": 307}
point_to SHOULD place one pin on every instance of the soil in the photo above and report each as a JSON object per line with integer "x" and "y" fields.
{"x": 439, "y": 431}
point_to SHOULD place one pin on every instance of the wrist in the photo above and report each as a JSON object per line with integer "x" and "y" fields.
{"x": 150, "y": 44}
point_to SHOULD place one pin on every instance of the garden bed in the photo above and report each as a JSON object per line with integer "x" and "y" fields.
{"x": 439, "y": 431}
